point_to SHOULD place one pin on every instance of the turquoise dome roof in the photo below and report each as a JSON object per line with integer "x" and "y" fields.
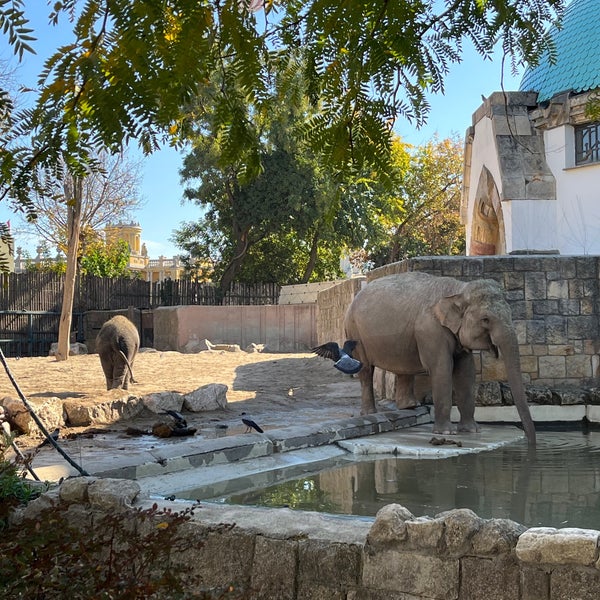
{"x": 577, "y": 66}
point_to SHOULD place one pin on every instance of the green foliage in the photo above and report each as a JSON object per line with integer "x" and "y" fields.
{"x": 123, "y": 556}
{"x": 104, "y": 259}
{"x": 45, "y": 263}
{"x": 134, "y": 66}
{"x": 15, "y": 490}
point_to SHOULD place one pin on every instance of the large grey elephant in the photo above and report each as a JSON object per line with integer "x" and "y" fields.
{"x": 415, "y": 323}
{"x": 117, "y": 344}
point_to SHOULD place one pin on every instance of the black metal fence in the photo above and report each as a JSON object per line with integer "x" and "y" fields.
{"x": 43, "y": 292}
{"x": 30, "y": 304}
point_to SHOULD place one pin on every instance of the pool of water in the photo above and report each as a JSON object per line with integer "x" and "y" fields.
{"x": 556, "y": 485}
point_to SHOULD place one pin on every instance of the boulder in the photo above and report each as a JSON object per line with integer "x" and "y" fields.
{"x": 212, "y": 396}
{"x": 163, "y": 401}
{"x": 75, "y": 349}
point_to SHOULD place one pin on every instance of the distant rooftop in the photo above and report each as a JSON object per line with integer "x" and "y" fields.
{"x": 577, "y": 66}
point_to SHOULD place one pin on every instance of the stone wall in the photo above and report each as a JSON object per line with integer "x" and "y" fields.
{"x": 284, "y": 554}
{"x": 555, "y": 302}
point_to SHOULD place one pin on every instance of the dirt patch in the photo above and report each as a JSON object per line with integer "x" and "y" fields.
{"x": 278, "y": 390}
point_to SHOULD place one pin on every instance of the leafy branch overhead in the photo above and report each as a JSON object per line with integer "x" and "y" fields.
{"x": 133, "y": 68}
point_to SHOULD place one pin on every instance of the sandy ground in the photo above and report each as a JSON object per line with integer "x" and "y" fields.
{"x": 278, "y": 390}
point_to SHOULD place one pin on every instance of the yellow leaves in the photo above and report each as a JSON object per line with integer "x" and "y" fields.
{"x": 162, "y": 525}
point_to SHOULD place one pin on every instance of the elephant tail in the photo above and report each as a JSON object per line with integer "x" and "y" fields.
{"x": 122, "y": 348}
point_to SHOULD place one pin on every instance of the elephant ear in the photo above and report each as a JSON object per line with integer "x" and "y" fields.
{"x": 449, "y": 311}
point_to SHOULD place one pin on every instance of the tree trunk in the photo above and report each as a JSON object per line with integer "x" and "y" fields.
{"x": 241, "y": 249}
{"x": 312, "y": 258}
{"x": 73, "y": 197}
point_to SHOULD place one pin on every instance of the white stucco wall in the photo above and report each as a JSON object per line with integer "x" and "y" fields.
{"x": 528, "y": 224}
{"x": 482, "y": 155}
{"x": 578, "y": 195}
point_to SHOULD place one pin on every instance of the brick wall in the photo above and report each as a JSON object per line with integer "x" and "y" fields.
{"x": 555, "y": 302}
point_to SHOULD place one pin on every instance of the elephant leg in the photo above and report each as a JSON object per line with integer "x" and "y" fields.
{"x": 441, "y": 389}
{"x": 463, "y": 380}
{"x": 119, "y": 379}
{"x": 107, "y": 368}
{"x": 405, "y": 391}
{"x": 365, "y": 376}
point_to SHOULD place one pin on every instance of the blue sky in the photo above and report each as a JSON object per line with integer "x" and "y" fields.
{"x": 161, "y": 189}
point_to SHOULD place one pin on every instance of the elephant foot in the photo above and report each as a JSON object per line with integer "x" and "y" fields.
{"x": 469, "y": 427}
{"x": 445, "y": 428}
{"x": 368, "y": 410}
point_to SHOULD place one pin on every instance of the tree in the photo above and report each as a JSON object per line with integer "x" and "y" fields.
{"x": 134, "y": 65}
{"x": 427, "y": 218}
{"x": 109, "y": 195}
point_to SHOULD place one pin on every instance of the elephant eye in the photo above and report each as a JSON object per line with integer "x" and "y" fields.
{"x": 485, "y": 321}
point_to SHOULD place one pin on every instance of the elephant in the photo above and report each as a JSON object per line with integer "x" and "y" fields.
{"x": 117, "y": 344}
{"x": 413, "y": 323}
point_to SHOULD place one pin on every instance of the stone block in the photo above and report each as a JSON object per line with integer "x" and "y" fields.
{"x": 568, "y": 546}
{"x": 535, "y": 286}
{"x": 558, "y": 290}
{"x": 552, "y": 367}
{"x": 425, "y": 533}
{"x": 535, "y": 332}
{"x": 568, "y": 584}
{"x": 274, "y": 568}
{"x": 579, "y": 366}
{"x": 75, "y": 489}
{"x": 112, "y": 494}
{"x": 323, "y": 561}
{"x": 582, "y": 327}
{"x": 535, "y": 584}
{"x": 492, "y": 579}
{"x": 422, "y": 576}
{"x": 586, "y": 267}
{"x": 497, "y": 536}
{"x": 226, "y": 557}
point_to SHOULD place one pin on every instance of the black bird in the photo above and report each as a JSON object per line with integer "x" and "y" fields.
{"x": 180, "y": 422}
{"x": 341, "y": 357}
{"x": 54, "y": 435}
{"x": 250, "y": 424}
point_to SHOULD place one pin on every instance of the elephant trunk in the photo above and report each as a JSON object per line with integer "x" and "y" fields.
{"x": 507, "y": 343}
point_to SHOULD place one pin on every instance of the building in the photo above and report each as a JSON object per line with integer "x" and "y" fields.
{"x": 151, "y": 269}
{"x": 532, "y": 157}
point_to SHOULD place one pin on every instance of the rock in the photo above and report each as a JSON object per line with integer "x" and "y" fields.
{"x": 497, "y": 536}
{"x": 75, "y": 349}
{"x": 51, "y": 413}
{"x": 75, "y": 489}
{"x": 110, "y": 494}
{"x": 162, "y": 430}
{"x": 163, "y": 401}
{"x": 77, "y": 415}
{"x": 566, "y": 546}
{"x": 195, "y": 346}
{"x": 488, "y": 394}
{"x": 253, "y": 348}
{"x": 212, "y": 396}
{"x": 538, "y": 395}
{"x": 568, "y": 396}
{"x": 425, "y": 533}
{"x": 461, "y": 525}
{"x": 18, "y": 416}
{"x": 389, "y": 526}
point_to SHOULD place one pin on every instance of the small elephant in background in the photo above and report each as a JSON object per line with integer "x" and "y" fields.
{"x": 117, "y": 344}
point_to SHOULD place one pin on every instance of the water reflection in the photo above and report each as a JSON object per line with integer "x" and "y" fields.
{"x": 557, "y": 484}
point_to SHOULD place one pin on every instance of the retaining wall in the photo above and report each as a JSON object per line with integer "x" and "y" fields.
{"x": 296, "y": 555}
{"x": 555, "y": 302}
{"x": 282, "y": 328}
